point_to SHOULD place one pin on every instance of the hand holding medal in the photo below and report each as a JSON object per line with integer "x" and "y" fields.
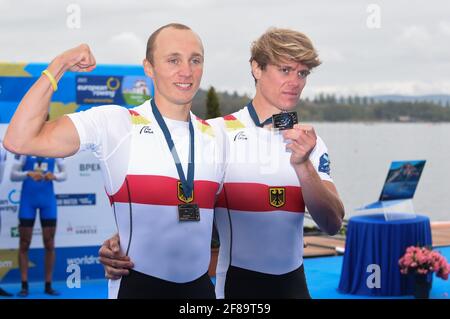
{"x": 301, "y": 141}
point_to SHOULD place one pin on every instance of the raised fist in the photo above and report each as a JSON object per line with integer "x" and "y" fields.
{"x": 79, "y": 59}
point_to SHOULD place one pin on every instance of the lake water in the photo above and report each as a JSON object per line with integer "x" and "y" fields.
{"x": 361, "y": 154}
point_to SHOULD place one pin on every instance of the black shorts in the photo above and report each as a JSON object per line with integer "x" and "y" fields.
{"x": 25, "y": 222}
{"x": 141, "y": 286}
{"x": 244, "y": 284}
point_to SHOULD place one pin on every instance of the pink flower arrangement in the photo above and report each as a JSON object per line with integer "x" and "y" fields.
{"x": 423, "y": 261}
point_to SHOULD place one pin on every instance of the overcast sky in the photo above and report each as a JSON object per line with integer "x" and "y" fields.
{"x": 409, "y": 53}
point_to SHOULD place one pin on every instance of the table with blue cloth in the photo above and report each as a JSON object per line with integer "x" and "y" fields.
{"x": 371, "y": 240}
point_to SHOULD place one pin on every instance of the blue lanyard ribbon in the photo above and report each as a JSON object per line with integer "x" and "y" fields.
{"x": 254, "y": 116}
{"x": 188, "y": 184}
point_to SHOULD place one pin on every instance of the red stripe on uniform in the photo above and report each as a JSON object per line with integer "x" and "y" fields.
{"x": 202, "y": 121}
{"x": 162, "y": 190}
{"x": 229, "y": 117}
{"x": 253, "y": 197}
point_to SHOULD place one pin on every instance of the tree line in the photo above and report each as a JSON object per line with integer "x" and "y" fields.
{"x": 329, "y": 108}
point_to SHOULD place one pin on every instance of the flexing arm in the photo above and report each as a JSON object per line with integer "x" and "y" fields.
{"x": 28, "y": 132}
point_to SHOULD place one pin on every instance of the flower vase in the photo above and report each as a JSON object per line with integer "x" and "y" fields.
{"x": 421, "y": 287}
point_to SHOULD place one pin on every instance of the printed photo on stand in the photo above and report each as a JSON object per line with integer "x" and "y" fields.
{"x": 402, "y": 179}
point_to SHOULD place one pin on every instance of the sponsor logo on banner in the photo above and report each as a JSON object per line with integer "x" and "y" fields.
{"x": 15, "y": 232}
{"x": 85, "y": 257}
{"x": 14, "y": 197}
{"x": 136, "y": 89}
{"x": 11, "y": 203}
{"x": 85, "y": 260}
{"x": 87, "y": 168}
{"x": 7, "y": 206}
{"x": 121, "y": 90}
{"x": 81, "y": 230}
{"x": 85, "y": 230}
{"x": 98, "y": 90}
{"x": 75, "y": 199}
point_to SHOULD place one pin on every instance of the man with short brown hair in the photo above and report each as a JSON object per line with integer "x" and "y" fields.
{"x": 161, "y": 164}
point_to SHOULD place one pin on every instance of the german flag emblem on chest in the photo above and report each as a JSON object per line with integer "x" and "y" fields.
{"x": 277, "y": 196}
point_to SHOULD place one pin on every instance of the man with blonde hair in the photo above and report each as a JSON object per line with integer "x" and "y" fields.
{"x": 260, "y": 215}
{"x": 260, "y": 212}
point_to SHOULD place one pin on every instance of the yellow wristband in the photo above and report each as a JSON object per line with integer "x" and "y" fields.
{"x": 52, "y": 79}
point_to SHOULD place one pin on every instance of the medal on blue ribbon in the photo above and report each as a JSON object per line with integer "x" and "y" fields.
{"x": 188, "y": 211}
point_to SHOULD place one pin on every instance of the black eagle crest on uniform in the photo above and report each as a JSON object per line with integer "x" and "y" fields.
{"x": 277, "y": 196}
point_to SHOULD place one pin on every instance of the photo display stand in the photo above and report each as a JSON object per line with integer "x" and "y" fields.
{"x": 395, "y": 200}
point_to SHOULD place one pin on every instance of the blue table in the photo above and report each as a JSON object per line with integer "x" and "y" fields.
{"x": 371, "y": 240}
